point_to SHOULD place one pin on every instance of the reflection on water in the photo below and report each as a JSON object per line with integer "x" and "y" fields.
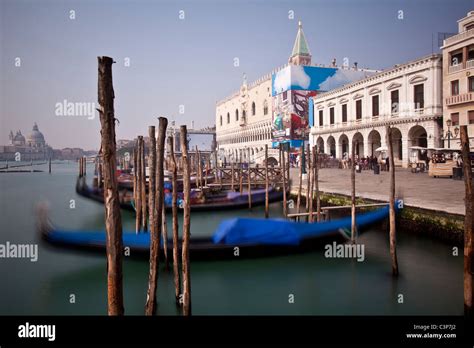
{"x": 430, "y": 281}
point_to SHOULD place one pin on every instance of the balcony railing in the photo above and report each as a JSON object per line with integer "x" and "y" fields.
{"x": 460, "y": 99}
{"x": 458, "y": 37}
{"x": 455, "y": 68}
{"x": 470, "y": 64}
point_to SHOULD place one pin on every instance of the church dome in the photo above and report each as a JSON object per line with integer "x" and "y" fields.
{"x": 19, "y": 139}
{"x": 36, "y": 138}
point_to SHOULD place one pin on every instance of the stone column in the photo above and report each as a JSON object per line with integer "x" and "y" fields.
{"x": 338, "y": 148}
{"x": 405, "y": 151}
{"x": 366, "y": 151}
{"x": 349, "y": 145}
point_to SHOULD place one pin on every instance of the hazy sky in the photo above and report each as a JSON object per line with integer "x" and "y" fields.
{"x": 186, "y": 61}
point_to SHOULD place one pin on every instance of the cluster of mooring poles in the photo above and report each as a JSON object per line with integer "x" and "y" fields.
{"x": 150, "y": 213}
{"x": 82, "y": 166}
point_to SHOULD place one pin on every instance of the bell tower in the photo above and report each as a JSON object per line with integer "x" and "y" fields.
{"x": 301, "y": 54}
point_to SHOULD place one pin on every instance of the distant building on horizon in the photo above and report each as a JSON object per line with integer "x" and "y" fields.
{"x": 31, "y": 148}
{"x": 35, "y": 148}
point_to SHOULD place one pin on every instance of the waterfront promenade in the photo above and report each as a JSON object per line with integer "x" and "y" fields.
{"x": 418, "y": 190}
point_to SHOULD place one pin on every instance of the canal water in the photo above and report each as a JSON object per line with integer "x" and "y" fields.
{"x": 431, "y": 280}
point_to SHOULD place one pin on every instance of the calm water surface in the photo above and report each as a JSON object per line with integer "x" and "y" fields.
{"x": 431, "y": 278}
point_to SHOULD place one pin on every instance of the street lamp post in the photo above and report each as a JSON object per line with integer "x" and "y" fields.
{"x": 448, "y": 133}
{"x": 303, "y": 161}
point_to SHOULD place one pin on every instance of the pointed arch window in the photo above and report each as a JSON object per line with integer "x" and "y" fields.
{"x": 221, "y": 120}
{"x": 236, "y": 114}
{"x": 265, "y": 107}
{"x": 228, "y": 118}
{"x": 253, "y": 108}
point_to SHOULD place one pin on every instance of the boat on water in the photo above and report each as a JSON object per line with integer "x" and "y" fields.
{"x": 200, "y": 201}
{"x": 251, "y": 237}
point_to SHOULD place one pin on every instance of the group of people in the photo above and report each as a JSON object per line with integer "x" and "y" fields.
{"x": 325, "y": 161}
{"x": 366, "y": 163}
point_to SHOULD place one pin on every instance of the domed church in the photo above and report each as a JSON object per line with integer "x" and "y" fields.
{"x": 31, "y": 147}
{"x": 36, "y": 138}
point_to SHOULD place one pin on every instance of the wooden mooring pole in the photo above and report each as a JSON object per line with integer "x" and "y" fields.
{"x": 279, "y": 155}
{"x": 152, "y": 181}
{"x": 164, "y": 233}
{"x": 316, "y": 182}
{"x": 468, "y": 225}
{"x": 232, "y": 175}
{"x": 353, "y": 197}
{"x": 288, "y": 165}
{"x": 308, "y": 179}
{"x": 393, "y": 228}
{"x": 198, "y": 169}
{"x": 164, "y": 223}
{"x": 208, "y": 165}
{"x": 216, "y": 171}
{"x": 49, "y": 165}
{"x": 266, "y": 182}
{"x": 283, "y": 172}
{"x": 81, "y": 171}
{"x": 186, "y": 225}
{"x": 113, "y": 218}
{"x": 135, "y": 184}
{"x": 310, "y": 193}
{"x": 174, "y": 209}
{"x": 138, "y": 191}
{"x": 143, "y": 188}
{"x": 150, "y": 306}
{"x": 249, "y": 189}
{"x": 300, "y": 180}
{"x": 241, "y": 178}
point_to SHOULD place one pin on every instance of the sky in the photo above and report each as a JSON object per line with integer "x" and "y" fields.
{"x": 176, "y": 58}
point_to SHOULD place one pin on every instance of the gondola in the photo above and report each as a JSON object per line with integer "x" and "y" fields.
{"x": 252, "y": 238}
{"x": 225, "y": 200}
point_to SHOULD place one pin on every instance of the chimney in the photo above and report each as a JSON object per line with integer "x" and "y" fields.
{"x": 333, "y": 62}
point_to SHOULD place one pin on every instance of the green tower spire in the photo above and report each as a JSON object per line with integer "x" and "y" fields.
{"x": 301, "y": 46}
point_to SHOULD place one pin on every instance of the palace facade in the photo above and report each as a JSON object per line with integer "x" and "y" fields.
{"x": 407, "y": 97}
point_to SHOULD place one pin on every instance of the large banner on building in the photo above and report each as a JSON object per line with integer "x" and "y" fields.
{"x": 292, "y": 87}
{"x": 290, "y": 115}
